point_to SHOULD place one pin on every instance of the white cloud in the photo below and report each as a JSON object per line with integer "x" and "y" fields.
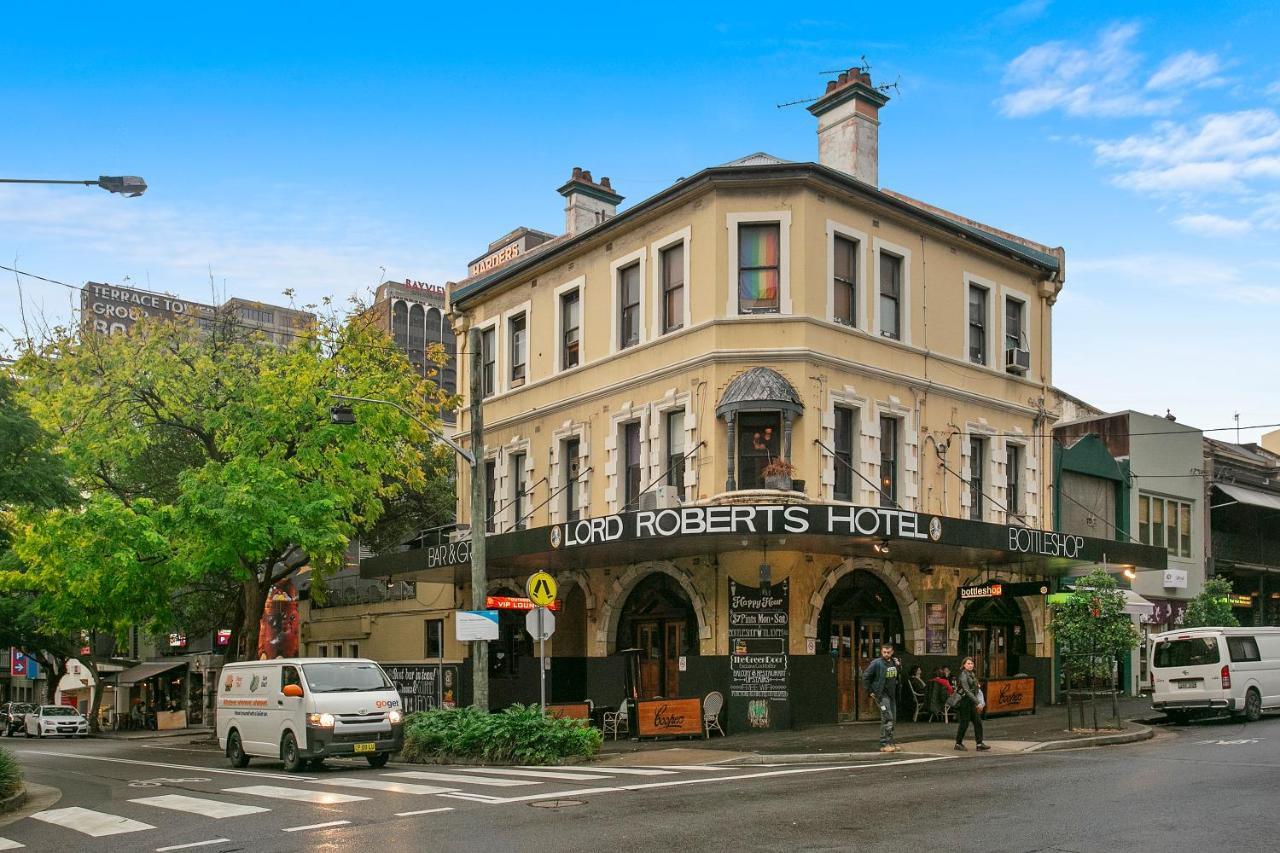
{"x": 1222, "y": 279}
{"x": 1189, "y": 68}
{"x": 1213, "y": 225}
{"x": 1021, "y": 13}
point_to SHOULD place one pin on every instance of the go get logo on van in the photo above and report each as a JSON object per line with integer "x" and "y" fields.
{"x": 386, "y": 703}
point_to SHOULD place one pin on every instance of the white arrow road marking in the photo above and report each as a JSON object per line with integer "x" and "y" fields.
{"x": 325, "y": 825}
{"x": 383, "y": 785}
{"x": 208, "y": 843}
{"x": 537, "y": 774}
{"x": 89, "y": 822}
{"x": 80, "y": 757}
{"x": 320, "y": 798}
{"x": 200, "y": 806}
{"x": 9, "y": 844}
{"x": 424, "y": 811}
{"x": 462, "y": 777}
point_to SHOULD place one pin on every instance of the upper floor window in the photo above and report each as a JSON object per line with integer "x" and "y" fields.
{"x": 1013, "y": 323}
{"x": 258, "y": 315}
{"x": 846, "y": 420}
{"x": 890, "y": 296}
{"x": 518, "y": 488}
{"x": 977, "y": 467}
{"x": 629, "y": 306}
{"x": 977, "y": 324}
{"x": 888, "y": 461}
{"x": 519, "y": 341}
{"x": 490, "y": 498}
{"x": 671, "y": 270}
{"x": 572, "y": 466}
{"x": 1013, "y": 478}
{"x": 489, "y": 362}
{"x": 759, "y": 270}
{"x": 631, "y": 465}
{"x": 570, "y": 324}
{"x": 845, "y": 281}
{"x": 675, "y": 450}
{"x": 1165, "y": 523}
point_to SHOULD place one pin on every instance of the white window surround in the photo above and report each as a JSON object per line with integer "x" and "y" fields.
{"x": 615, "y": 323}
{"x": 908, "y": 453}
{"x": 1010, "y": 293}
{"x": 988, "y": 325}
{"x": 494, "y": 324}
{"x": 580, "y": 284}
{"x": 878, "y": 246}
{"x": 783, "y": 219}
{"x": 570, "y": 430}
{"x": 504, "y": 345}
{"x": 835, "y": 229}
{"x": 614, "y": 482}
{"x": 982, "y": 430}
{"x": 504, "y": 507}
{"x": 656, "y": 248}
{"x": 674, "y": 402}
{"x": 846, "y": 398}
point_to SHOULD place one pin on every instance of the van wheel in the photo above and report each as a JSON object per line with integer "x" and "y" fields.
{"x": 378, "y": 759}
{"x": 235, "y": 751}
{"x": 1253, "y": 705}
{"x": 293, "y": 760}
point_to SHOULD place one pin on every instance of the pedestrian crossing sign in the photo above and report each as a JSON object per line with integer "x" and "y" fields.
{"x": 541, "y": 589}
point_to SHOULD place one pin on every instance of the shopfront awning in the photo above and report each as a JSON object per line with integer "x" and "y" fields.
{"x": 143, "y": 671}
{"x": 1253, "y": 497}
{"x": 1136, "y": 605}
{"x": 687, "y": 531}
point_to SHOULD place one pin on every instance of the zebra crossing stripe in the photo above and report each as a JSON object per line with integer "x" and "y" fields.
{"x": 384, "y": 785}
{"x": 320, "y": 798}
{"x": 475, "y": 798}
{"x": 9, "y": 844}
{"x": 200, "y": 806}
{"x": 562, "y": 775}
{"x": 621, "y": 771}
{"x": 463, "y": 779}
{"x": 89, "y": 822}
{"x": 209, "y": 843}
{"x": 324, "y": 825}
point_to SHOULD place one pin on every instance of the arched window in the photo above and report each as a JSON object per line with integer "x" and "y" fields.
{"x": 400, "y": 324}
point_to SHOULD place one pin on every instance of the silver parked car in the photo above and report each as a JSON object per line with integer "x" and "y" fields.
{"x": 56, "y": 720}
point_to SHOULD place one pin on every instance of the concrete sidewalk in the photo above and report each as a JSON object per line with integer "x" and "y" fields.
{"x": 1046, "y": 729}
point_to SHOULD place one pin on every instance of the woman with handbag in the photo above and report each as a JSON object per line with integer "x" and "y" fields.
{"x": 969, "y": 704}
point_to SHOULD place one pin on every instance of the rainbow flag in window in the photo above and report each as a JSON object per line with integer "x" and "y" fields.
{"x": 758, "y": 267}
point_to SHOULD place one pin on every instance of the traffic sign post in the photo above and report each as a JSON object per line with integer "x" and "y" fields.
{"x": 542, "y": 589}
{"x": 541, "y": 624}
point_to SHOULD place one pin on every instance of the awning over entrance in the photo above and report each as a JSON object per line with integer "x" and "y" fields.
{"x": 875, "y": 532}
{"x": 1253, "y": 497}
{"x": 143, "y": 671}
{"x": 1136, "y": 605}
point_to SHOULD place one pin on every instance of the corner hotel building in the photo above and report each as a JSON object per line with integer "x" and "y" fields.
{"x": 642, "y": 370}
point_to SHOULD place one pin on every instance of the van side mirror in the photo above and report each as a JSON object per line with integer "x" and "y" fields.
{"x": 294, "y": 690}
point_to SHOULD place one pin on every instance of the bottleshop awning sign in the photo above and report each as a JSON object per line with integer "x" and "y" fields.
{"x": 815, "y": 528}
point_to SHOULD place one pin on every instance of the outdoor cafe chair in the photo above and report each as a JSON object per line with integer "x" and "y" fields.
{"x": 616, "y": 722}
{"x": 919, "y": 694}
{"x": 711, "y": 707}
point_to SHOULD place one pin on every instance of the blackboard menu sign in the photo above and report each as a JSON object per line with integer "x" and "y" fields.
{"x": 759, "y": 622}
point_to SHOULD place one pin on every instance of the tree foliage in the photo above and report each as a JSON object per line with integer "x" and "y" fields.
{"x": 1090, "y": 626}
{"x": 1212, "y": 607}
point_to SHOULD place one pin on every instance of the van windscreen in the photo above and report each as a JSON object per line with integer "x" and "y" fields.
{"x": 345, "y": 677}
{"x": 1191, "y": 651}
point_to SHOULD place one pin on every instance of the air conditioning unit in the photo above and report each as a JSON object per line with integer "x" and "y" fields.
{"x": 1017, "y": 360}
{"x": 660, "y": 497}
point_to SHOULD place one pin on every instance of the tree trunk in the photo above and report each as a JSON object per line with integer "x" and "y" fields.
{"x": 96, "y": 693}
{"x": 254, "y": 600}
{"x": 57, "y": 667}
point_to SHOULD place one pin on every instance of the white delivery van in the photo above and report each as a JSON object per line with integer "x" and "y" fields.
{"x": 302, "y": 710}
{"x": 1203, "y": 671}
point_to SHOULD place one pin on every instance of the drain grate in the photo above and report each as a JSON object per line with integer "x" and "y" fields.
{"x": 555, "y": 804}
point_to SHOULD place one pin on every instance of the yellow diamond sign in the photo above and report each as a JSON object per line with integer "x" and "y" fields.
{"x": 542, "y": 589}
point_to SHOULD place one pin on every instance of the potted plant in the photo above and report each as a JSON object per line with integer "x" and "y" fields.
{"x": 777, "y": 475}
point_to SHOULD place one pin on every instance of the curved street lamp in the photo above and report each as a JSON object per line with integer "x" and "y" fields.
{"x": 126, "y": 185}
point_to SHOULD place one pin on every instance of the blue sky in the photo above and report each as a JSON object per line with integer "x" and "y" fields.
{"x": 309, "y": 147}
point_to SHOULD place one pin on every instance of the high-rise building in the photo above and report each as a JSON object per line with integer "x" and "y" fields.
{"x": 415, "y": 315}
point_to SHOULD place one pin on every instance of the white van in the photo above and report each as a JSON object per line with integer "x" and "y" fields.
{"x": 1202, "y": 671}
{"x": 302, "y": 710}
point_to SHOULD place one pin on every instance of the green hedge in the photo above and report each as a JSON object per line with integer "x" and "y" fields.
{"x": 518, "y": 735}
{"x": 10, "y": 774}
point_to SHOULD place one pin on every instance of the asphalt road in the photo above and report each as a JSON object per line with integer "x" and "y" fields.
{"x": 1201, "y": 787}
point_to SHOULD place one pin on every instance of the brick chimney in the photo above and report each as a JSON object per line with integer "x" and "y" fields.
{"x": 848, "y": 116}
{"x": 587, "y": 203}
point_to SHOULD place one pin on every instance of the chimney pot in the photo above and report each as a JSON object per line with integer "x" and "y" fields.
{"x": 604, "y": 182}
{"x": 577, "y": 171}
{"x": 586, "y": 176}
{"x": 848, "y": 114}
{"x": 831, "y": 86}
{"x": 844, "y": 78}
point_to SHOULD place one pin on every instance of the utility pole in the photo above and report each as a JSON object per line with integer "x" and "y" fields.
{"x": 479, "y": 522}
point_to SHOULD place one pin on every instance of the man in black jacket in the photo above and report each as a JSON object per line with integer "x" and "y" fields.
{"x": 883, "y": 680}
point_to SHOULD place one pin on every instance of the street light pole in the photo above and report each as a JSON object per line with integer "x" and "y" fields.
{"x": 479, "y": 521}
{"x": 127, "y": 185}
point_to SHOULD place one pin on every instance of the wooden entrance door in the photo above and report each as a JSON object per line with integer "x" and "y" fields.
{"x": 672, "y": 647}
{"x": 649, "y": 641}
{"x": 975, "y": 646}
{"x": 846, "y": 679}
{"x": 871, "y": 633}
{"x": 997, "y": 649}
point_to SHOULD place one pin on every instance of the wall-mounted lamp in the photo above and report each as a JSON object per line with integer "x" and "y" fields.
{"x": 881, "y": 548}
{"x": 1130, "y": 574}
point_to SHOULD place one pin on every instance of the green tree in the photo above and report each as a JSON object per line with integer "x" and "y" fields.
{"x": 1211, "y": 608}
{"x": 212, "y": 464}
{"x": 1090, "y": 627}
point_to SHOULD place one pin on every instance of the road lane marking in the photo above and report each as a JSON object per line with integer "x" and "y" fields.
{"x": 9, "y": 844}
{"x": 424, "y": 811}
{"x": 200, "y": 806}
{"x": 208, "y": 843}
{"x": 384, "y": 785}
{"x": 89, "y": 822}
{"x": 706, "y": 768}
{"x": 621, "y": 771}
{"x": 325, "y": 825}
{"x": 291, "y": 777}
{"x": 462, "y": 777}
{"x": 320, "y": 798}
{"x": 538, "y": 774}
{"x": 475, "y": 798}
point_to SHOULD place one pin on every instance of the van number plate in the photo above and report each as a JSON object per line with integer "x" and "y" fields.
{"x": 1183, "y": 685}
{"x": 366, "y": 747}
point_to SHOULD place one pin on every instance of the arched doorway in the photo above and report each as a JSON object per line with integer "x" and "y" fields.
{"x": 859, "y": 614}
{"x": 571, "y": 625}
{"x": 993, "y": 634}
{"x": 659, "y": 621}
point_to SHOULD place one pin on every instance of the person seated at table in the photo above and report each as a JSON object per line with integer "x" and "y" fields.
{"x": 942, "y": 676}
{"x": 135, "y": 715}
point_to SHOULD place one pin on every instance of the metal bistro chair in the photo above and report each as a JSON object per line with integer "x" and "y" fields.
{"x": 937, "y": 703}
{"x": 616, "y": 722}
{"x": 711, "y": 707}
{"x": 919, "y": 694}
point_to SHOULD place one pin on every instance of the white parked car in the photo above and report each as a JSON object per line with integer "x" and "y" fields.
{"x": 62, "y": 720}
{"x": 1206, "y": 671}
{"x": 301, "y": 710}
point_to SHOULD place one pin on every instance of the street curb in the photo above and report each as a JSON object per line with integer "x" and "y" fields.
{"x": 817, "y": 758}
{"x": 13, "y": 801}
{"x": 1142, "y": 733}
{"x": 35, "y": 798}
